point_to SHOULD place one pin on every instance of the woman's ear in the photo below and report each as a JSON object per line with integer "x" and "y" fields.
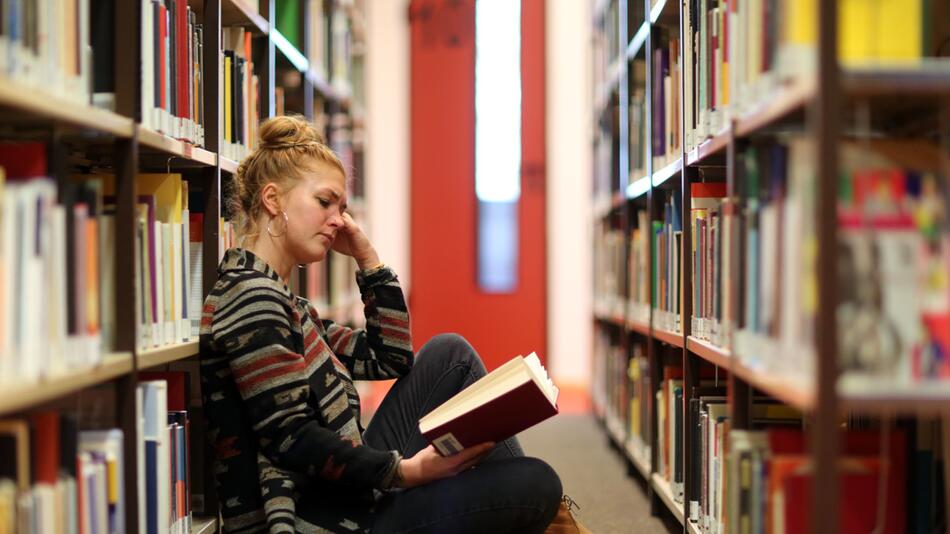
{"x": 270, "y": 199}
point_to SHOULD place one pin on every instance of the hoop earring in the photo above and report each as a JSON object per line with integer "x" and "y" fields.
{"x": 286, "y": 221}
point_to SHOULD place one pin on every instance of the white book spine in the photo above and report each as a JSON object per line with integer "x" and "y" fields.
{"x": 178, "y": 277}
{"x": 158, "y": 336}
{"x": 168, "y": 284}
{"x": 186, "y": 304}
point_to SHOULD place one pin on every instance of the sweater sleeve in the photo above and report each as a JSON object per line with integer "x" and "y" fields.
{"x": 382, "y": 350}
{"x": 256, "y": 336}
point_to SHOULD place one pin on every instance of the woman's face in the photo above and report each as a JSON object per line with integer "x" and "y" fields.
{"x": 315, "y": 208}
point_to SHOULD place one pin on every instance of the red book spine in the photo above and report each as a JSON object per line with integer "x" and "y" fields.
{"x": 181, "y": 13}
{"x": 46, "y": 447}
{"x": 163, "y": 67}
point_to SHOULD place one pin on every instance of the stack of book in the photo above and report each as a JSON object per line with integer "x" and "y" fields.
{"x": 48, "y": 45}
{"x": 894, "y": 260}
{"x": 172, "y": 66}
{"x": 669, "y": 413}
{"x": 165, "y": 273}
{"x": 640, "y": 401}
{"x": 667, "y": 244}
{"x": 56, "y": 269}
{"x": 667, "y": 105}
{"x": 712, "y": 221}
{"x": 608, "y": 270}
{"x": 164, "y": 452}
{"x": 640, "y": 144}
{"x": 638, "y": 276}
{"x": 55, "y": 478}
{"x": 241, "y": 94}
{"x": 777, "y": 255}
{"x": 741, "y": 52}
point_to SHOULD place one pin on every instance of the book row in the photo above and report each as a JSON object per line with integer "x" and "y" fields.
{"x": 753, "y": 277}
{"x": 57, "y": 477}
{"x": 740, "y": 51}
{"x": 50, "y": 44}
{"x": 172, "y": 66}
{"x": 757, "y": 479}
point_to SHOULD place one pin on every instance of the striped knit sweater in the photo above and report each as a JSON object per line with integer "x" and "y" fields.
{"x": 282, "y": 411}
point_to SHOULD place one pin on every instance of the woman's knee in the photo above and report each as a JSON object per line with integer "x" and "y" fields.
{"x": 450, "y": 348}
{"x": 544, "y": 481}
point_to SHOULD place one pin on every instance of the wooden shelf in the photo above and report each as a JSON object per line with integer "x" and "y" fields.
{"x": 204, "y": 525}
{"x": 638, "y": 188}
{"x": 708, "y": 149}
{"x": 228, "y": 165}
{"x": 790, "y": 98}
{"x": 23, "y": 396}
{"x": 36, "y": 105}
{"x": 671, "y": 338}
{"x": 663, "y": 175}
{"x": 789, "y": 391}
{"x": 927, "y": 77}
{"x": 639, "y": 39}
{"x": 662, "y": 488}
{"x": 242, "y": 13}
{"x": 642, "y": 465}
{"x": 615, "y": 430}
{"x": 175, "y": 147}
{"x": 715, "y": 355}
{"x": 638, "y": 327}
{"x": 168, "y": 354}
{"x": 289, "y": 51}
{"x": 866, "y": 398}
{"x": 611, "y": 318}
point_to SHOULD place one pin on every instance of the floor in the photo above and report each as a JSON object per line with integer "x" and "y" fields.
{"x": 595, "y": 476}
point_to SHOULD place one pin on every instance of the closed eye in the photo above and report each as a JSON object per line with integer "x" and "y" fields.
{"x": 324, "y": 202}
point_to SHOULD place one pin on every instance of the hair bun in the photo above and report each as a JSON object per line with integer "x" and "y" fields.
{"x": 288, "y": 131}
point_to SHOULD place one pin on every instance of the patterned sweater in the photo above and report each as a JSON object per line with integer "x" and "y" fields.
{"x": 282, "y": 411}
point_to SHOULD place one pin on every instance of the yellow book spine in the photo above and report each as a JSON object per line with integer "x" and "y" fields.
{"x": 227, "y": 99}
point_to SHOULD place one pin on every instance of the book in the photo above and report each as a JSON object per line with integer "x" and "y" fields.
{"x": 506, "y": 401}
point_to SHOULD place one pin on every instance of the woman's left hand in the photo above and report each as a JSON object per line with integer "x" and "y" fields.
{"x": 351, "y": 241}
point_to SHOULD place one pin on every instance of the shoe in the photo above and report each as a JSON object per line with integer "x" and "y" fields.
{"x": 564, "y": 522}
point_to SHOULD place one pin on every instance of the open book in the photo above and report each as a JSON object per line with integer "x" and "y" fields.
{"x": 506, "y": 401}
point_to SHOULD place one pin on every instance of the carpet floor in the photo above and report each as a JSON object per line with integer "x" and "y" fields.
{"x": 595, "y": 476}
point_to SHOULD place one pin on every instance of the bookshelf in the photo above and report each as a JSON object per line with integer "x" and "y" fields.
{"x": 113, "y": 135}
{"x": 724, "y": 119}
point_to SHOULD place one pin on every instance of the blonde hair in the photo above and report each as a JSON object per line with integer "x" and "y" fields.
{"x": 288, "y": 146}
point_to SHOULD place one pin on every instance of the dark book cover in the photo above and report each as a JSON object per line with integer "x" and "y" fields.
{"x": 102, "y": 32}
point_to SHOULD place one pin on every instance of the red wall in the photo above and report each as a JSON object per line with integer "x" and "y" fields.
{"x": 445, "y": 296}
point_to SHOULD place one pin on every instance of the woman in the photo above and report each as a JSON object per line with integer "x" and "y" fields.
{"x": 277, "y": 381}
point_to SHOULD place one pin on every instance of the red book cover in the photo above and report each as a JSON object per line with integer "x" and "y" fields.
{"x": 23, "y": 160}
{"x": 177, "y": 384}
{"x": 496, "y": 420}
{"x": 857, "y": 503}
{"x": 45, "y": 447}
{"x": 181, "y": 48}
{"x": 162, "y": 54}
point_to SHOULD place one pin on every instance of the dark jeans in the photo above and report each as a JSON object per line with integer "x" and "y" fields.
{"x": 505, "y": 492}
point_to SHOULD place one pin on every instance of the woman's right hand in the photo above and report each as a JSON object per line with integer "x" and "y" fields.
{"x": 428, "y": 465}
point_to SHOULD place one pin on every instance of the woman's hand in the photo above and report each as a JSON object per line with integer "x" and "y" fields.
{"x": 428, "y": 465}
{"x": 351, "y": 241}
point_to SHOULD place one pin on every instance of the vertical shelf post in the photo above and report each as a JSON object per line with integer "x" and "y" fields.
{"x": 211, "y": 176}
{"x": 825, "y": 125}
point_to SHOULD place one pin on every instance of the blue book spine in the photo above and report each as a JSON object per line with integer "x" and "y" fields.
{"x": 151, "y": 486}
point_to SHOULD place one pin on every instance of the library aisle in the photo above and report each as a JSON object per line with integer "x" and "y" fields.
{"x": 594, "y": 476}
